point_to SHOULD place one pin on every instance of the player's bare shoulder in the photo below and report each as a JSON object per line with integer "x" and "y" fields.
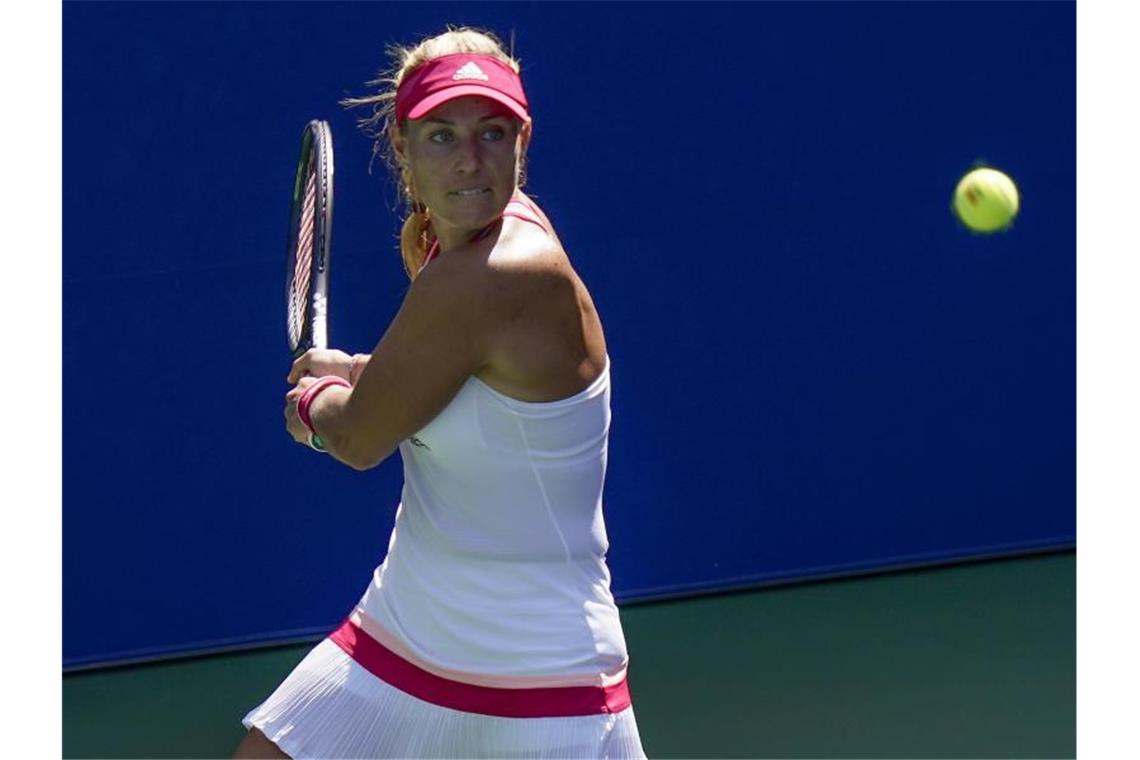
{"x": 533, "y": 267}
{"x": 524, "y": 244}
{"x": 460, "y": 276}
{"x": 550, "y": 343}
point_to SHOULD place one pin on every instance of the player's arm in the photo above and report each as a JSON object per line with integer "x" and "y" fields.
{"x": 442, "y": 334}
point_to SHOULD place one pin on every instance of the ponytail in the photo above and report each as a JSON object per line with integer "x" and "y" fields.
{"x": 416, "y": 238}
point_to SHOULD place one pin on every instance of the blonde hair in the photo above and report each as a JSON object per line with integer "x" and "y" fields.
{"x": 416, "y": 234}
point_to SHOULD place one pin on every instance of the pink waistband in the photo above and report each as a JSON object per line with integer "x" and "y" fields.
{"x": 551, "y": 702}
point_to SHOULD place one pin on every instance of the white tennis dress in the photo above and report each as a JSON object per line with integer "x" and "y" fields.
{"x": 489, "y": 630}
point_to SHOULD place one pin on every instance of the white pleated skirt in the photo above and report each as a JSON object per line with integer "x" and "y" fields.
{"x": 330, "y": 706}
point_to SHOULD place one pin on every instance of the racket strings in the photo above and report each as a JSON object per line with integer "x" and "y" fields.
{"x": 302, "y": 266}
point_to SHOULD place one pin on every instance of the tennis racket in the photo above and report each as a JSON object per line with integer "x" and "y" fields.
{"x": 310, "y": 233}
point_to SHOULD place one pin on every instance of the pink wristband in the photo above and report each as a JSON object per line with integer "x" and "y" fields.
{"x": 311, "y": 394}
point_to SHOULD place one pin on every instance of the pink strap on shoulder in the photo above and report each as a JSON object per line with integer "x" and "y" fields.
{"x": 431, "y": 254}
{"x": 519, "y": 208}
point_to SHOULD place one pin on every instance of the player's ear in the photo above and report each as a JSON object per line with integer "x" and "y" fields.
{"x": 398, "y": 139}
{"x": 524, "y": 136}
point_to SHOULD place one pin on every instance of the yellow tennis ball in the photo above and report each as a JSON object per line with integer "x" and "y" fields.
{"x": 986, "y": 200}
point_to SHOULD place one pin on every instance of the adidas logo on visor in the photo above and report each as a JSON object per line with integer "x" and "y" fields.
{"x": 469, "y": 71}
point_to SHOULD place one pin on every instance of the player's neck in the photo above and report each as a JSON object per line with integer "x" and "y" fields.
{"x": 457, "y": 237}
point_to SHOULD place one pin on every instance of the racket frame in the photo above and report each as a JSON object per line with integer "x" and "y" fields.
{"x": 316, "y": 148}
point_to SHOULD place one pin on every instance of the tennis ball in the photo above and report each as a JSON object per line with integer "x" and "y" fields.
{"x": 986, "y": 200}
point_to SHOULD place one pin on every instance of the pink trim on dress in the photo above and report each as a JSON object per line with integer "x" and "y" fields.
{"x": 393, "y": 643}
{"x": 541, "y": 702}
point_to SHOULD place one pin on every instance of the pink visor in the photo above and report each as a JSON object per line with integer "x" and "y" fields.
{"x": 453, "y": 76}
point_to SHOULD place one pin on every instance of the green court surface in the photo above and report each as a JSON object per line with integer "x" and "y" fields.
{"x": 970, "y": 661}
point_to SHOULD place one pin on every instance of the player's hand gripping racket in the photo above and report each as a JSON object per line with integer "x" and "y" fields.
{"x": 310, "y": 233}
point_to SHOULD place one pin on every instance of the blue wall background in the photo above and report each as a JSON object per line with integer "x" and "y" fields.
{"x": 816, "y": 369}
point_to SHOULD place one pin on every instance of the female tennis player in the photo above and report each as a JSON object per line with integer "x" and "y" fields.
{"x": 489, "y": 630}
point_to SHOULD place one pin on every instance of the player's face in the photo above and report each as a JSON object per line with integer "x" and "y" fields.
{"x": 464, "y": 158}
